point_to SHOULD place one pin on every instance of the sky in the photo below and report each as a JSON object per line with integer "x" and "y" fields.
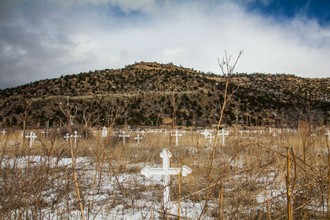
{"x": 44, "y": 39}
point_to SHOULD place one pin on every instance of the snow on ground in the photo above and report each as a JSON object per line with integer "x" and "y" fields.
{"x": 111, "y": 196}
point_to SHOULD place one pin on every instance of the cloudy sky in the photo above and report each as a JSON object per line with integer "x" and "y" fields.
{"x": 42, "y": 39}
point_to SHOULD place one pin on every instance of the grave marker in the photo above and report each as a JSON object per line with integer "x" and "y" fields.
{"x": 31, "y": 138}
{"x": 223, "y": 134}
{"x": 138, "y": 138}
{"x": 66, "y": 137}
{"x": 124, "y": 136}
{"x": 3, "y": 132}
{"x": 206, "y": 133}
{"x": 210, "y": 138}
{"x": 177, "y": 135}
{"x": 166, "y": 171}
{"x": 104, "y": 132}
{"x": 75, "y": 136}
{"x": 328, "y": 134}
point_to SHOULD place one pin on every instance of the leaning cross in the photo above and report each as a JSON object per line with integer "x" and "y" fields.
{"x": 177, "y": 135}
{"x": 138, "y": 138}
{"x": 124, "y": 136}
{"x": 166, "y": 171}
{"x": 31, "y": 138}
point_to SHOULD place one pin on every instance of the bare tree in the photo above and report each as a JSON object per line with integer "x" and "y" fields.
{"x": 227, "y": 71}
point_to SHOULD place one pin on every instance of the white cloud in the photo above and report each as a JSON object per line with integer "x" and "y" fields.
{"x": 192, "y": 34}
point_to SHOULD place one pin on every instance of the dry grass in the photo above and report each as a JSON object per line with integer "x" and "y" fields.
{"x": 250, "y": 171}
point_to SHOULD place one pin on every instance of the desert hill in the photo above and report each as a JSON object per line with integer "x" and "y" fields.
{"x": 144, "y": 94}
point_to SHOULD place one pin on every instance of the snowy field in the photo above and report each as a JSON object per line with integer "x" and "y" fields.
{"x": 101, "y": 179}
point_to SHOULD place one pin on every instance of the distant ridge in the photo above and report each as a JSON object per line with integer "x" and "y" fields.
{"x": 142, "y": 94}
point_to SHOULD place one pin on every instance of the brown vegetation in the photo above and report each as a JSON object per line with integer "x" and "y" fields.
{"x": 144, "y": 93}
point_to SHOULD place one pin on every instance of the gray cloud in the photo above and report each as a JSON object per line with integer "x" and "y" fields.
{"x": 45, "y": 39}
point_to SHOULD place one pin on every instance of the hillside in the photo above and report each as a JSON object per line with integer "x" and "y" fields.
{"x": 146, "y": 93}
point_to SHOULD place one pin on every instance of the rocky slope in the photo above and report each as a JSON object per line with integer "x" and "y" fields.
{"x": 145, "y": 94}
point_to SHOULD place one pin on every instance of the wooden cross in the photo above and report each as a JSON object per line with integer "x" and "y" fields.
{"x": 124, "y": 136}
{"x": 138, "y": 138}
{"x": 206, "y": 133}
{"x": 31, "y": 138}
{"x": 177, "y": 135}
{"x": 166, "y": 171}
{"x": 75, "y": 136}
{"x": 104, "y": 132}
{"x": 223, "y": 133}
{"x": 67, "y": 137}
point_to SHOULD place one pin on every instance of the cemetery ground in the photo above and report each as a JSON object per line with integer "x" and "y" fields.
{"x": 253, "y": 174}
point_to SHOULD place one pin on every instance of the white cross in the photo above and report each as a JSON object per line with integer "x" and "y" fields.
{"x": 210, "y": 138}
{"x": 124, "y": 136}
{"x": 46, "y": 133}
{"x": 206, "y": 133}
{"x": 328, "y": 134}
{"x": 3, "y": 132}
{"x": 67, "y": 137}
{"x": 274, "y": 134}
{"x": 31, "y": 138}
{"x": 104, "y": 132}
{"x": 177, "y": 135}
{"x": 166, "y": 171}
{"x": 75, "y": 136}
{"x": 223, "y": 133}
{"x": 138, "y": 138}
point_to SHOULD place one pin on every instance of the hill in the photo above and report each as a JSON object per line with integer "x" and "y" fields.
{"x": 143, "y": 94}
